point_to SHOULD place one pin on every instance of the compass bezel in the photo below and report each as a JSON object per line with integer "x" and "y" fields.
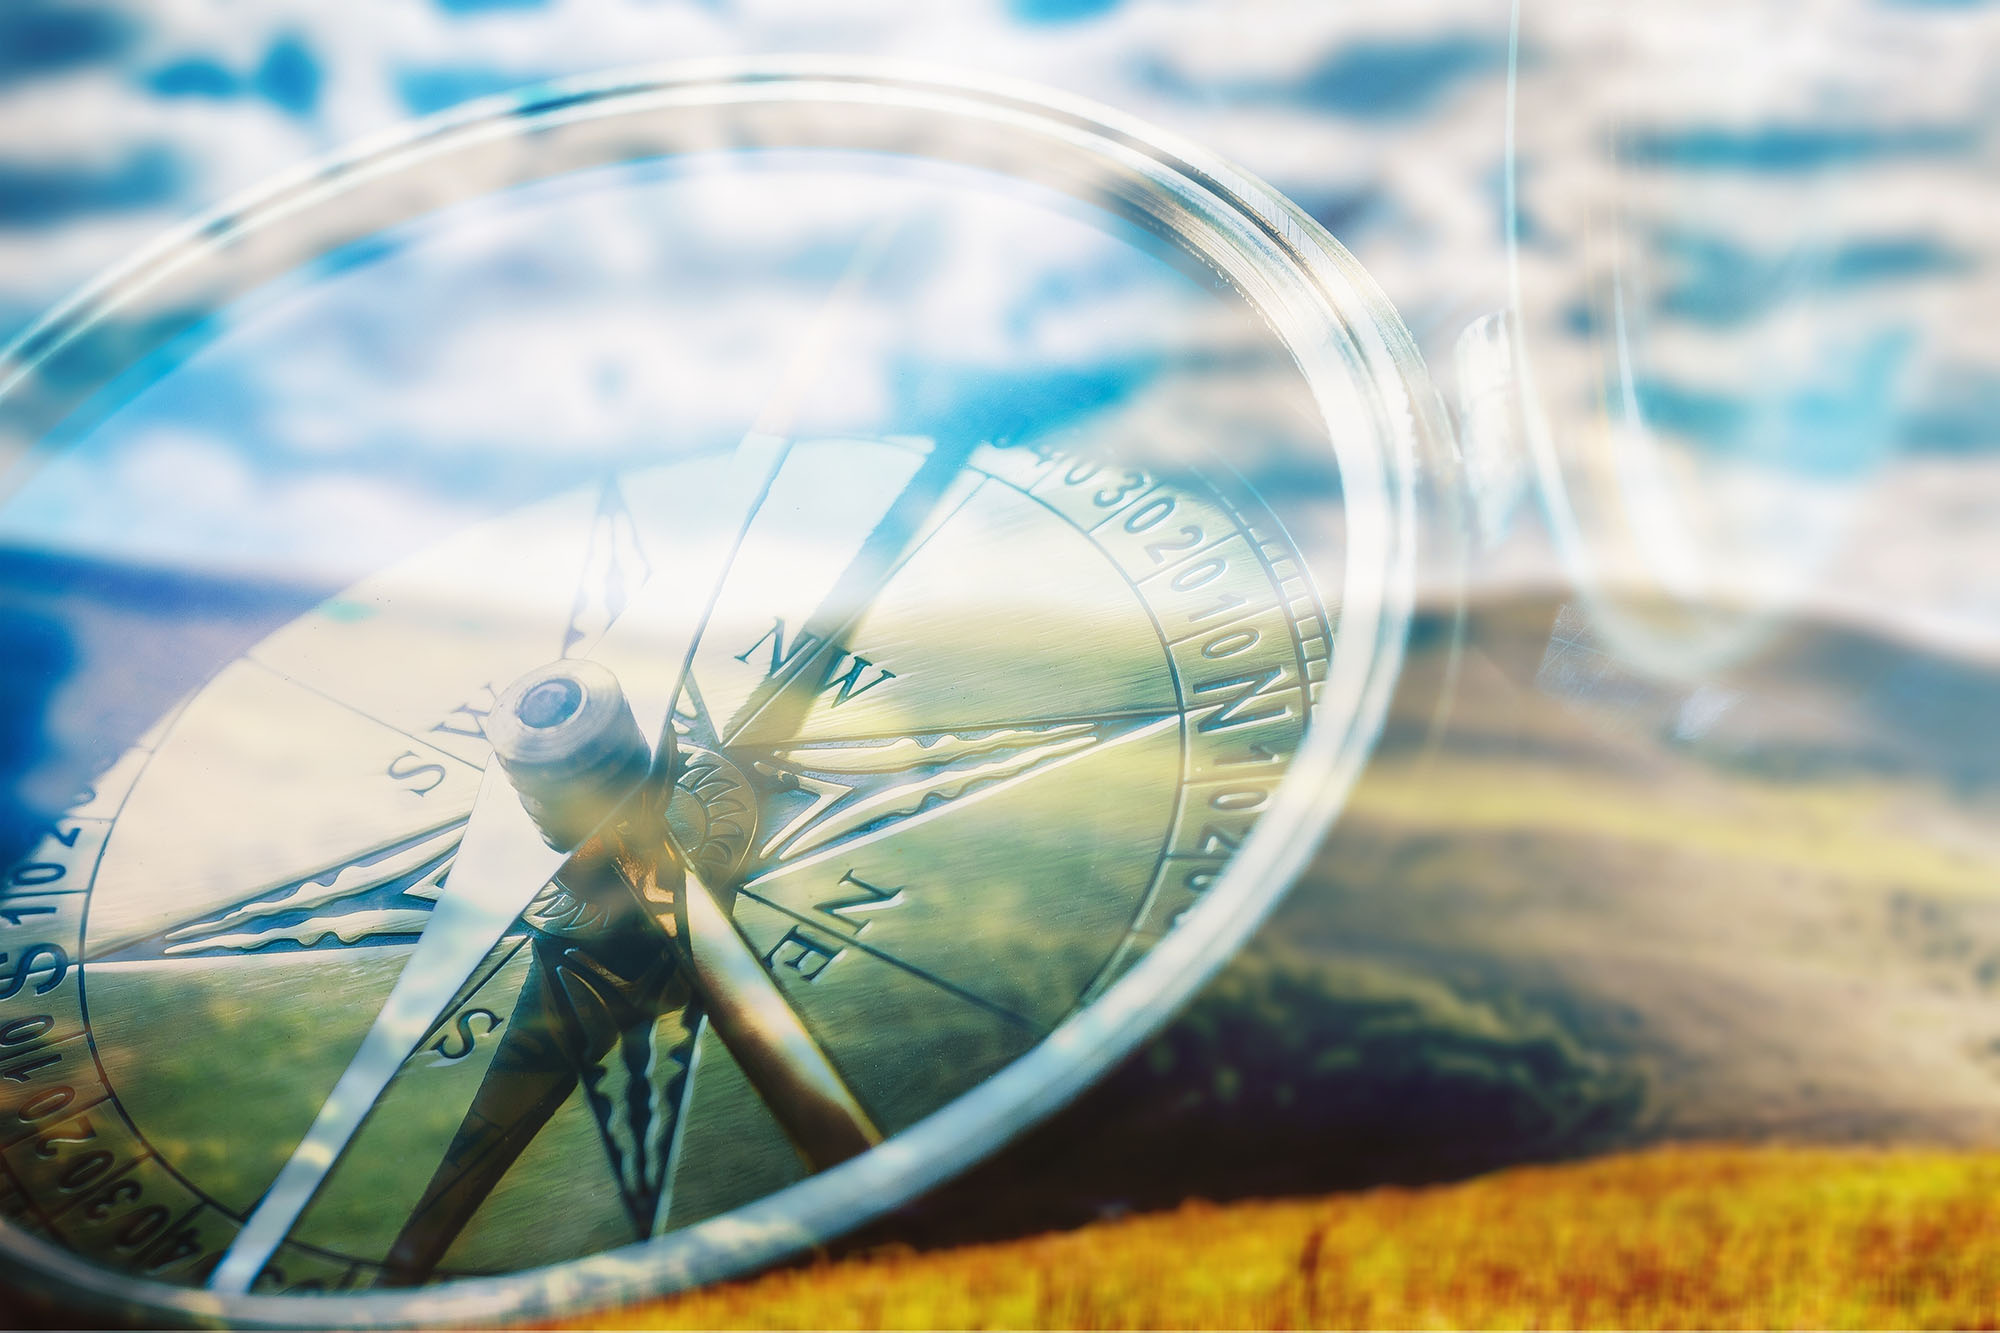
{"x": 1353, "y": 351}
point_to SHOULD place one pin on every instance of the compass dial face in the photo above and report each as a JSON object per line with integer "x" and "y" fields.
{"x": 1005, "y": 589}
{"x": 937, "y": 861}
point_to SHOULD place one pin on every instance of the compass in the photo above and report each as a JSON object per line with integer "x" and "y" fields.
{"x": 648, "y": 670}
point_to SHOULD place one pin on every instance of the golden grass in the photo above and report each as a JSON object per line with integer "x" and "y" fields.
{"x": 1713, "y": 1237}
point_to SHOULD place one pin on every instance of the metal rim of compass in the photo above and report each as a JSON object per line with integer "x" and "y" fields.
{"x": 1348, "y": 343}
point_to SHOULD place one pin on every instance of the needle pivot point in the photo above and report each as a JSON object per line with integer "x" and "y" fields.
{"x": 567, "y": 739}
{"x": 551, "y": 703}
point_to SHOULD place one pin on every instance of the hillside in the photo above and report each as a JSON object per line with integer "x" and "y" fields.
{"x": 1571, "y": 922}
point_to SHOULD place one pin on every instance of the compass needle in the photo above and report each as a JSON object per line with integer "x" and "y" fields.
{"x": 503, "y": 860}
{"x": 765, "y": 1034}
{"x": 662, "y": 624}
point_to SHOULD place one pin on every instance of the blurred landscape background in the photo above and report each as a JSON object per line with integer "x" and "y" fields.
{"x": 1690, "y": 830}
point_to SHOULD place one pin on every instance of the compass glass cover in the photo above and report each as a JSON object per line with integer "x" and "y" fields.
{"x": 1008, "y": 551}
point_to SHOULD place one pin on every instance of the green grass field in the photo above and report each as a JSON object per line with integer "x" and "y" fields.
{"x": 1694, "y": 1237}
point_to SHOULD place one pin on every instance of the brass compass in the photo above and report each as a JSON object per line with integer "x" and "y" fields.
{"x": 593, "y": 864}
